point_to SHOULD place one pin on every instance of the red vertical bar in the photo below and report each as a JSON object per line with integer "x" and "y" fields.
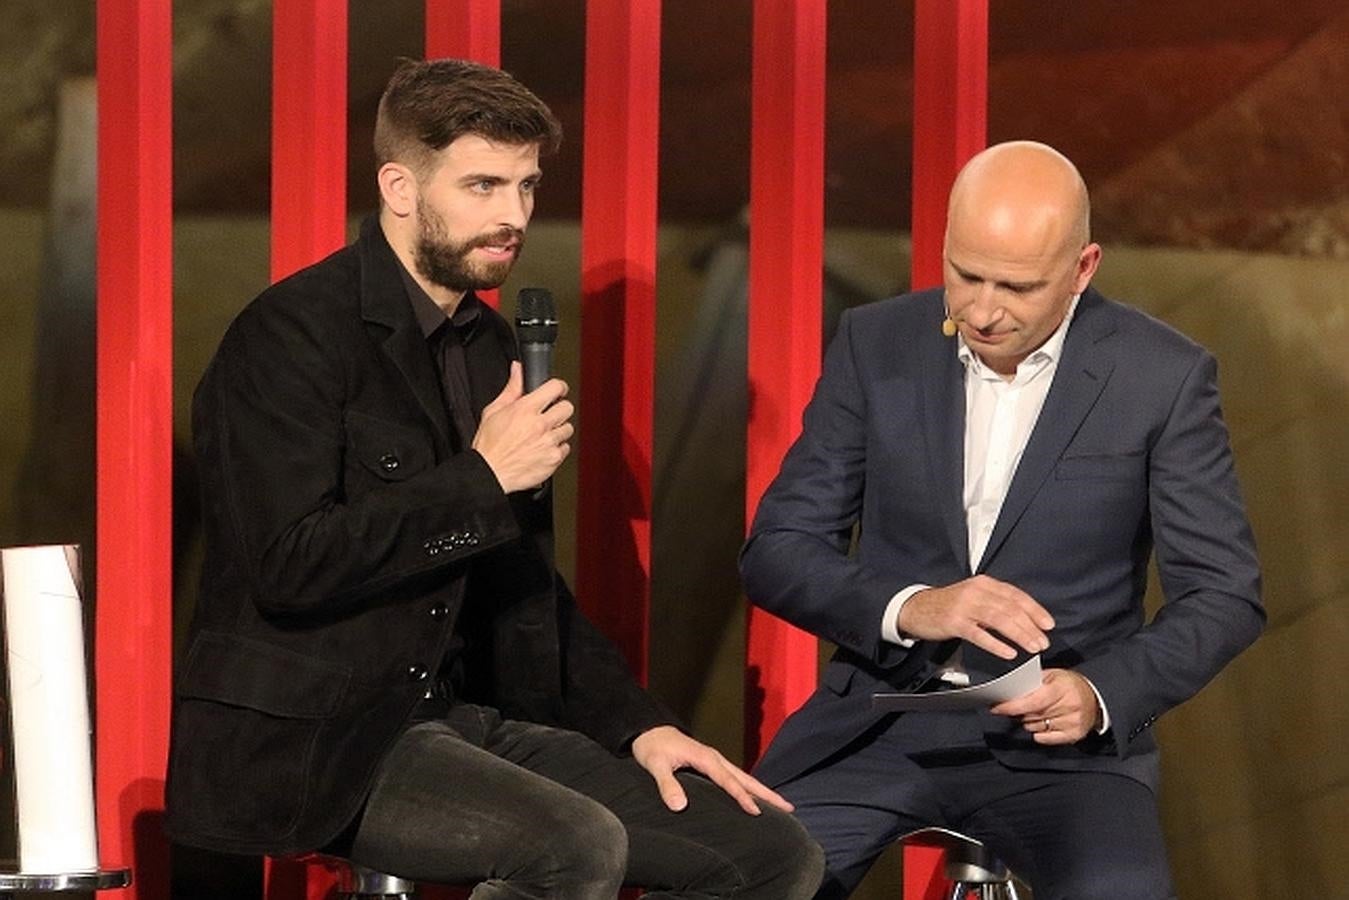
{"x": 618, "y": 329}
{"x": 133, "y": 627}
{"x": 309, "y": 209}
{"x": 466, "y": 29}
{"x": 950, "y": 113}
{"x": 309, "y": 132}
{"x": 785, "y": 264}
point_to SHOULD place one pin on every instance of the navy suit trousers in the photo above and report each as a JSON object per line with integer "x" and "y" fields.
{"x": 1071, "y": 835}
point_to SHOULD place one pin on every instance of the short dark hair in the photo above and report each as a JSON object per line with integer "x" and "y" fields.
{"x": 429, "y": 103}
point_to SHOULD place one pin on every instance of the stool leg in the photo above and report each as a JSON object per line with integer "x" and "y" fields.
{"x": 382, "y": 895}
{"x": 367, "y": 884}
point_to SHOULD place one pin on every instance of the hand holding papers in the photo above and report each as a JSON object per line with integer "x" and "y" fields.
{"x": 1023, "y": 679}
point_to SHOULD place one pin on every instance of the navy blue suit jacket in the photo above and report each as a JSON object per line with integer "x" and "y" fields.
{"x": 1129, "y": 454}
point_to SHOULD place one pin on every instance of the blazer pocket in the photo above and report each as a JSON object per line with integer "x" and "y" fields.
{"x": 838, "y": 677}
{"x": 1101, "y": 467}
{"x": 263, "y": 677}
{"x": 391, "y": 451}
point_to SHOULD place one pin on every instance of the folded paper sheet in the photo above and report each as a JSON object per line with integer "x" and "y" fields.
{"x": 49, "y": 709}
{"x": 1021, "y": 680}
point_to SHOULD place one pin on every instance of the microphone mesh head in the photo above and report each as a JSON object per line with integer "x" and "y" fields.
{"x": 535, "y": 316}
{"x": 535, "y": 305}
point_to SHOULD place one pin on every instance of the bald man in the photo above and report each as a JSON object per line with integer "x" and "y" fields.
{"x": 1007, "y": 451}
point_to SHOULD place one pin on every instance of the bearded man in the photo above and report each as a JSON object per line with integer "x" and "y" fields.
{"x": 384, "y": 663}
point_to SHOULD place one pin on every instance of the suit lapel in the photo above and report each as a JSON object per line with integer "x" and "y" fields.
{"x": 1081, "y": 376}
{"x": 384, "y": 301}
{"x": 944, "y": 425}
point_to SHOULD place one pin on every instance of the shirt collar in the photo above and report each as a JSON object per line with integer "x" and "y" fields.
{"x": 431, "y": 317}
{"x": 1047, "y": 352}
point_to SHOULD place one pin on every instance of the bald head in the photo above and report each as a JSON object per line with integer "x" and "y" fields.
{"x": 1026, "y": 193}
{"x": 1018, "y": 249}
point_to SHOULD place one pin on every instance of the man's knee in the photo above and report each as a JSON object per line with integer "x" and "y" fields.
{"x": 587, "y": 851}
{"x": 786, "y": 862}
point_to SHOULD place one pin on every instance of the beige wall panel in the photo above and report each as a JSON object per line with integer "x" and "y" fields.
{"x": 1297, "y": 491}
{"x": 1268, "y": 733}
{"x": 220, "y": 263}
{"x": 1292, "y": 851}
{"x": 1277, "y": 326}
{"x": 20, "y": 268}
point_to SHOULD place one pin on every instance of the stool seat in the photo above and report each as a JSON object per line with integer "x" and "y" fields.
{"x": 970, "y": 866}
{"x": 101, "y": 880}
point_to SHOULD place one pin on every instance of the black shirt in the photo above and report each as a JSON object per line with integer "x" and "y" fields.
{"x": 446, "y": 338}
{"x": 465, "y": 672}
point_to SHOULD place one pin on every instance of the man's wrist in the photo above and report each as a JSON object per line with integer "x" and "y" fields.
{"x": 1102, "y": 714}
{"x": 890, "y": 630}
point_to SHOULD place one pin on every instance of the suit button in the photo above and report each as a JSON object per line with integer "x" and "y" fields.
{"x": 389, "y": 463}
{"x": 439, "y": 611}
{"x": 417, "y": 672}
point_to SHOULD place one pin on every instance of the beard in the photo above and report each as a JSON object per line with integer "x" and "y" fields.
{"x": 446, "y": 262}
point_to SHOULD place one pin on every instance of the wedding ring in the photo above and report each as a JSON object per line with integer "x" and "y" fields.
{"x": 1048, "y": 727}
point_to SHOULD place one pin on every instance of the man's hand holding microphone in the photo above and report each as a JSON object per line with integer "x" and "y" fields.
{"x": 524, "y": 432}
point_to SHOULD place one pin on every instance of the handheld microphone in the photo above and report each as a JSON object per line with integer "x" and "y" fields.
{"x": 536, "y": 330}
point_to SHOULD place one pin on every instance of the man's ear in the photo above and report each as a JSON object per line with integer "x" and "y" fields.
{"x": 398, "y": 188}
{"x": 1087, "y": 262}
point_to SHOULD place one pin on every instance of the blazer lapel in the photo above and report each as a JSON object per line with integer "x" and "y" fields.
{"x": 384, "y": 301}
{"x": 944, "y": 426}
{"x": 1081, "y": 376}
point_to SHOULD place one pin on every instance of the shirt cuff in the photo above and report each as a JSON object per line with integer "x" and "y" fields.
{"x": 1100, "y": 701}
{"x": 890, "y": 620}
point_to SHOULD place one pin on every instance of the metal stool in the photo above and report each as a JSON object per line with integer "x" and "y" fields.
{"x": 972, "y": 869}
{"x": 356, "y": 882}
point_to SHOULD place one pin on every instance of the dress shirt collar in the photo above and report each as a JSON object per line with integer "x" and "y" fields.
{"x": 431, "y": 317}
{"x": 1048, "y": 352}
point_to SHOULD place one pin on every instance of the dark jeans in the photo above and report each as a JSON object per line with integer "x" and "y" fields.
{"x": 527, "y": 811}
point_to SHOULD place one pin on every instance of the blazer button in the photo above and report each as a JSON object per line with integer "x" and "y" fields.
{"x": 389, "y": 463}
{"x": 417, "y": 672}
{"x": 439, "y": 611}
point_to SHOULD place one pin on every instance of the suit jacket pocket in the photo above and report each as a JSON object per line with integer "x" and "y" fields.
{"x": 838, "y": 677}
{"x": 392, "y": 451}
{"x": 262, "y": 676}
{"x": 1101, "y": 467}
{"x": 247, "y": 722}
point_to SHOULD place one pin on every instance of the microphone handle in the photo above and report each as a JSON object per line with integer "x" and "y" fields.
{"x": 537, "y": 359}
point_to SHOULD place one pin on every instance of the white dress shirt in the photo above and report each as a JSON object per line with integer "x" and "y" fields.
{"x": 1000, "y": 414}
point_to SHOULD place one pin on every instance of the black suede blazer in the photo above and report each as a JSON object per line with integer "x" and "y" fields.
{"x": 341, "y": 528}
